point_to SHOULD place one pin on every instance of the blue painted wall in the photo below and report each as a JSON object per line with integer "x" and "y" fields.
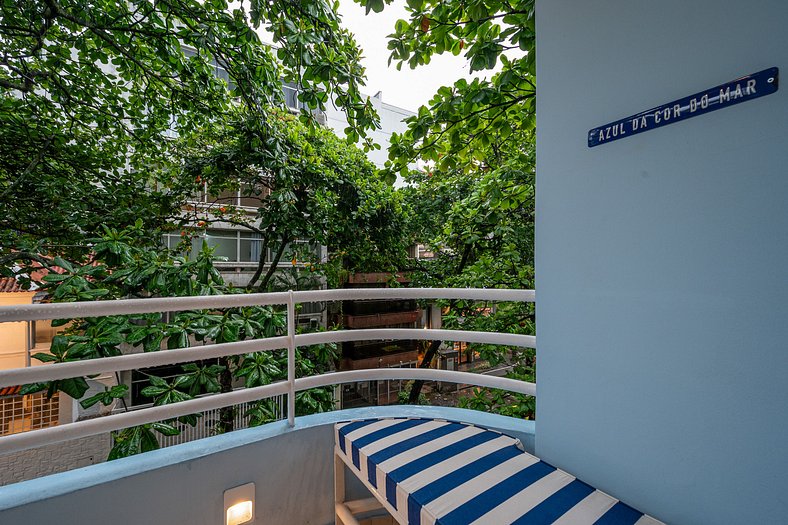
{"x": 662, "y": 258}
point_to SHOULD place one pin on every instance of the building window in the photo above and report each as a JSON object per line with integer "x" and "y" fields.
{"x": 302, "y": 251}
{"x": 222, "y": 74}
{"x": 236, "y": 246}
{"x": 244, "y": 197}
{"x": 219, "y": 72}
{"x": 224, "y": 243}
{"x": 243, "y": 246}
{"x": 290, "y": 91}
{"x": 28, "y": 412}
{"x": 250, "y": 247}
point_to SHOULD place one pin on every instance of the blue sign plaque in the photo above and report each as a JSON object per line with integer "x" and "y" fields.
{"x": 742, "y": 89}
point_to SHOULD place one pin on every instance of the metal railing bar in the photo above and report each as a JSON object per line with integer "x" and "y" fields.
{"x": 421, "y": 334}
{"x": 291, "y": 341}
{"x": 50, "y": 372}
{"x": 80, "y": 429}
{"x": 291, "y": 347}
{"x": 91, "y": 427}
{"x": 474, "y": 294}
{"x": 38, "y": 374}
{"x": 35, "y": 312}
{"x": 427, "y": 374}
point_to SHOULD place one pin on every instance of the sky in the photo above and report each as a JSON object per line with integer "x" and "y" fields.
{"x": 408, "y": 88}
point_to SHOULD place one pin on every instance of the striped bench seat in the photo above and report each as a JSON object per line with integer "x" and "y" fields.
{"x": 430, "y": 471}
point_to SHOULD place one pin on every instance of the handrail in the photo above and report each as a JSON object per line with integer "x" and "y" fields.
{"x": 421, "y": 334}
{"x": 36, "y": 312}
{"x": 100, "y": 425}
{"x": 291, "y": 341}
{"x": 471, "y": 294}
{"x": 39, "y": 374}
{"x": 50, "y": 372}
{"x": 81, "y": 429}
{"x": 424, "y": 374}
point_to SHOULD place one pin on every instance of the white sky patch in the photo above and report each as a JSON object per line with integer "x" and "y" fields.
{"x": 407, "y": 88}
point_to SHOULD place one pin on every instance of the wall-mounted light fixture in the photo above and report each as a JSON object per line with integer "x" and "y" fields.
{"x": 239, "y": 505}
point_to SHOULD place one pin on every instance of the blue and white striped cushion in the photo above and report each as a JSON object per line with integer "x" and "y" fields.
{"x": 440, "y": 472}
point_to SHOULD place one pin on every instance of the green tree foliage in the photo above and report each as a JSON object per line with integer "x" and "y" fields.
{"x": 479, "y": 225}
{"x": 91, "y": 93}
{"x": 473, "y": 205}
{"x": 92, "y": 96}
{"x": 465, "y": 118}
{"x": 122, "y": 267}
{"x": 306, "y": 184}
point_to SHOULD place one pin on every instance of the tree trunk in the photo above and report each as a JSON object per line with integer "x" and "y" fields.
{"x": 429, "y": 355}
{"x": 260, "y": 265}
{"x": 272, "y": 269}
{"x": 226, "y": 414}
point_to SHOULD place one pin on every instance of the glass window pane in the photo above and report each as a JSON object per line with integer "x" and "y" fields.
{"x": 225, "y": 197}
{"x": 251, "y": 247}
{"x": 291, "y": 95}
{"x": 222, "y": 74}
{"x": 197, "y": 241}
{"x": 253, "y": 197}
{"x": 198, "y": 196}
{"x": 225, "y": 242}
{"x": 170, "y": 240}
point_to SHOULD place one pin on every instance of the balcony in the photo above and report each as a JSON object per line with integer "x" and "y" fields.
{"x": 286, "y": 460}
{"x": 291, "y": 467}
{"x": 384, "y": 319}
{"x": 374, "y": 355}
{"x": 290, "y": 462}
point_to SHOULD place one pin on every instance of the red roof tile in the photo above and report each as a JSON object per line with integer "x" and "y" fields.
{"x": 10, "y": 390}
{"x": 9, "y": 284}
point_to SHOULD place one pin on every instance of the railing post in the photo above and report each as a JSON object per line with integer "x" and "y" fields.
{"x": 30, "y": 340}
{"x": 291, "y": 360}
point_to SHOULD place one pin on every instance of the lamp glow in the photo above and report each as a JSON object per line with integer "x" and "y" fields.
{"x": 239, "y": 505}
{"x": 239, "y": 513}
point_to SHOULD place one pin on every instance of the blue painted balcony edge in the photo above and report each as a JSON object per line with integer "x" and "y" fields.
{"x": 56, "y": 485}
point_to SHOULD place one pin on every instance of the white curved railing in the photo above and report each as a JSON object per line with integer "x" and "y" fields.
{"x": 291, "y": 341}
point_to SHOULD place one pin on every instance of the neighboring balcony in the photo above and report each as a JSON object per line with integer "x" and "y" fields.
{"x": 381, "y": 320}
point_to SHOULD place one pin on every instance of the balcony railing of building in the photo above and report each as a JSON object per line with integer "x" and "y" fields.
{"x": 383, "y": 319}
{"x": 290, "y": 341}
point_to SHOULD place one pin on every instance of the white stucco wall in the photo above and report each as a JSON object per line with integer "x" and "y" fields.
{"x": 661, "y": 259}
{"x": 51, "y": 459}
{"x": 391, "y": 121}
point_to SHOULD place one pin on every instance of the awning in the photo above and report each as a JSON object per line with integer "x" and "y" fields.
{"x": 429, "y": 471}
